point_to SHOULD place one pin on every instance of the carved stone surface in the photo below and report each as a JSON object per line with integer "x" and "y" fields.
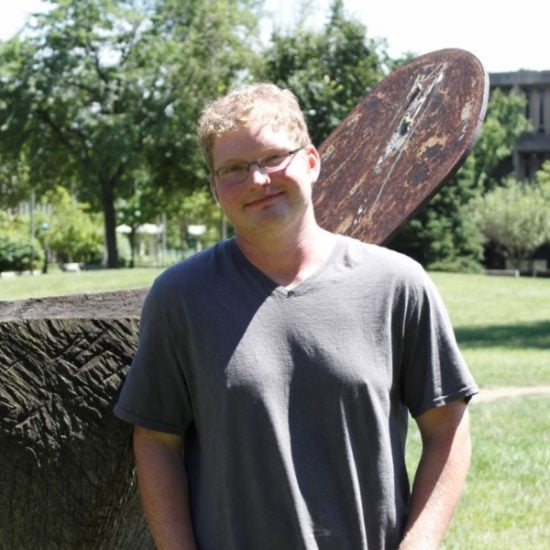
{"x": 66, "y": 467}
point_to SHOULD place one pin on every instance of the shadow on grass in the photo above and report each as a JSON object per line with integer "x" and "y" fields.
{"x": 521, "y": 335}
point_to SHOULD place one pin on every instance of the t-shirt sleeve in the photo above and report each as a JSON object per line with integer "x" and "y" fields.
{"x": 434, "y": 371}
{"x": 155, "y": 393}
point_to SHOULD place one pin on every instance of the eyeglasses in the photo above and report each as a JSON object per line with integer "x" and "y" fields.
{"x": 237, "y": 172}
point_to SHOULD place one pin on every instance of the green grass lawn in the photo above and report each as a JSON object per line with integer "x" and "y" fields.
{"x": 505, "y": 502}
{"x": 503, "y": 328}
{"x": 502, "y": 325}
{"x": 61, "y": 283}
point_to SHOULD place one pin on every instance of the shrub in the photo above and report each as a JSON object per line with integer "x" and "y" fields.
{"x": 515, "y": 216}
{"x": 19, "y": 253}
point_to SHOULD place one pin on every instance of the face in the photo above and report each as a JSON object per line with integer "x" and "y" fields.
{"x": 265, "y": 202}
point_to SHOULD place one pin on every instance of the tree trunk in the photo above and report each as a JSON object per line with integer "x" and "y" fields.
{"x": 132, "y": 239}
{"x": 108, "y": 198}
{"x": 66, "y": 467}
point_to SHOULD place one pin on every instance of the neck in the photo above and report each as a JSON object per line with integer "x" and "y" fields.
{"x": 290, "y": 259}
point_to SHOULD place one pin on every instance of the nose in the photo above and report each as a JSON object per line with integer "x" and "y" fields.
{"x": 257, "y": 174}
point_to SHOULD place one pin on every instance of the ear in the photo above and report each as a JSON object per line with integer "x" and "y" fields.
{"x": 314, "y": 162}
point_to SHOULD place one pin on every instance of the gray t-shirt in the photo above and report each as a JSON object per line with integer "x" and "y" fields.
{"x": 294, "y": 403}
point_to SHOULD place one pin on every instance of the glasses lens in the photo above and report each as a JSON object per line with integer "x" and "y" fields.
{"x": 233, "y": 173}
{"x": 277, "y": 161}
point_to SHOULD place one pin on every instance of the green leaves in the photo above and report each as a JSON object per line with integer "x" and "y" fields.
{"x": 330, "y": 70}
{"x": 515, "y": 216}
{"x": 100, "y": 92}
{"x": 74, "y": 233}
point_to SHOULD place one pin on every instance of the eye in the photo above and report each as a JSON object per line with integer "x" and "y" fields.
{"x": 275, "y": 159}
{"x": 231, "y": 169}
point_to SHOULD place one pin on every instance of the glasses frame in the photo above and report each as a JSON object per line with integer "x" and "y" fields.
{"x": 260, "y": 164}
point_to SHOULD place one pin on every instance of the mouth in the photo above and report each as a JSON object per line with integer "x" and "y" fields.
{"x": 263, "y": 201}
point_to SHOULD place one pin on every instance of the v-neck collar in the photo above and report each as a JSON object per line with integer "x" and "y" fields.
{"x": 301, "y": 288}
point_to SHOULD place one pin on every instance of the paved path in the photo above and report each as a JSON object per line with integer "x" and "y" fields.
{"x": 492, "y": 394}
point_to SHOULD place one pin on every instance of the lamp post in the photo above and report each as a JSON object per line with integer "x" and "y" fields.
{"x": 32, "y": 228}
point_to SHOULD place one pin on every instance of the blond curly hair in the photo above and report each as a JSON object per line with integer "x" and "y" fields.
{"x": 263, "y": 103}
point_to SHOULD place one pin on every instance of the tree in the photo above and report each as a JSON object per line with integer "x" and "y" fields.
{"x": 443, "y": 236}
{"x": 515, "y": 216}
{"x": 99, "y": 90}
{"x": 330, "y": 70}
{"x": 15, "y": 186}
{"x": 20, "y": 250}
{"x": 199, "y": 209}
{"x": 543, "y": 176}
{"x": 492, "y": 157}
{"x": 73, "y": 233}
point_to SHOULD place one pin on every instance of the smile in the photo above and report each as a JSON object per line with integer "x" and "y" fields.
{"x": 262, "y": 201}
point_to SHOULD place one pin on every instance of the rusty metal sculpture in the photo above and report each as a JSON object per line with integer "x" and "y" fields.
{"x": 400, "y": 144}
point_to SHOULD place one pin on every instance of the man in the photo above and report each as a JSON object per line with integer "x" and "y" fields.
{"x": 276, "y": 370}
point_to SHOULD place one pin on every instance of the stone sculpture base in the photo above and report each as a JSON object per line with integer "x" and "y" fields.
{"x": 66, "y": 466}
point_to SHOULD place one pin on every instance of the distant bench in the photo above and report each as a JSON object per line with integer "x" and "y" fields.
{"x": 516, "y": 272}
{"x": 505, "y": 272}
{"x": 71, "y": 267}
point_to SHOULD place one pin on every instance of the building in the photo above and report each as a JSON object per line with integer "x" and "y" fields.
{"x": 532, "y": 149}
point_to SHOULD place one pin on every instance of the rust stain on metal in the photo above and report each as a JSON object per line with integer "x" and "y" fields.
{"x": 397, "y": 147}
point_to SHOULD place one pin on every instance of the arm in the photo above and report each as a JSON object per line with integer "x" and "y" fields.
{"x": 163, "y": 489}
{"x": 440, "y": 476}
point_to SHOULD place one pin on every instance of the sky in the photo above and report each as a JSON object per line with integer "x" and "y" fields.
{"x": 505, "y": 36}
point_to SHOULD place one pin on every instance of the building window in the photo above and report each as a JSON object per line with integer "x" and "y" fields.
{"x": 541, "y": 110}
{"x": 528, "y": 97}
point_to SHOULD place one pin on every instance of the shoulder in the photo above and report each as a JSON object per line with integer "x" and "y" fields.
{"x": 197, "y": 266}
{"x": 382, "y": 261}
{"x": 388, "y": 274}
{"x": 197, "y": 272}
